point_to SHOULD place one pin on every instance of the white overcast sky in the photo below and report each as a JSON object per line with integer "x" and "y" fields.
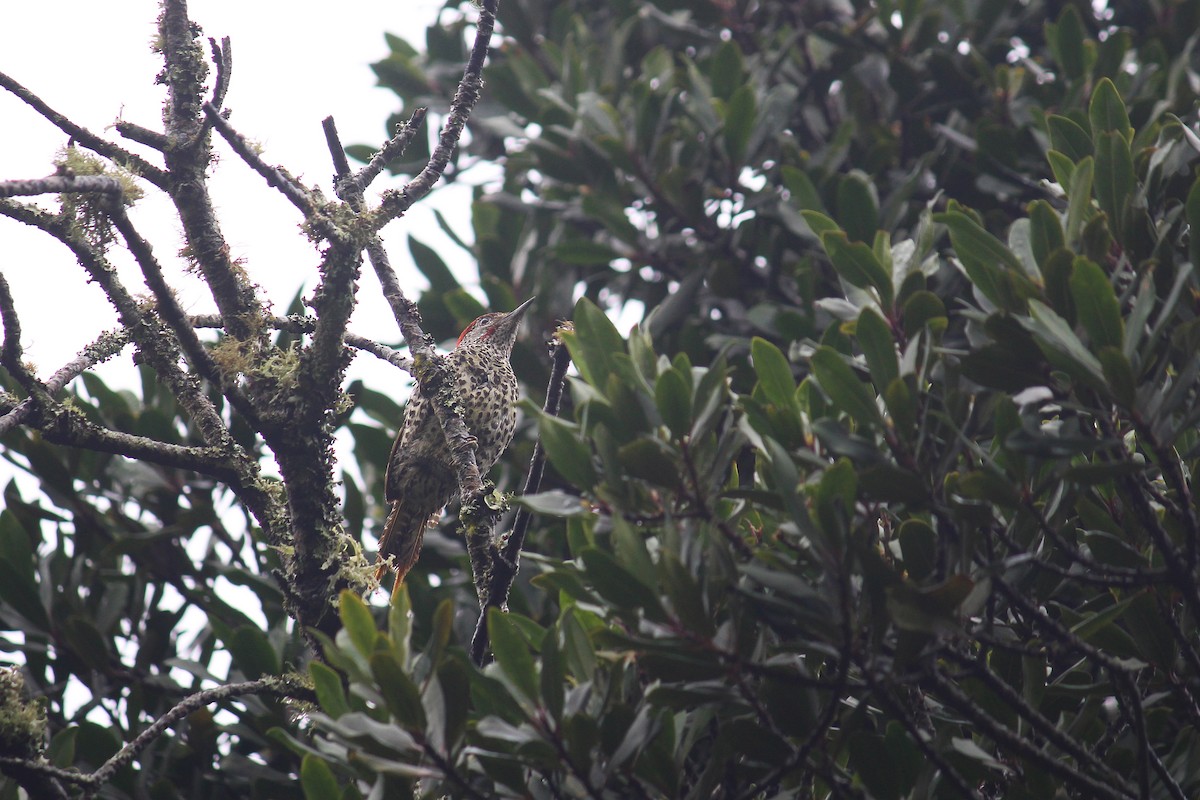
{"x": 294, "y": 64}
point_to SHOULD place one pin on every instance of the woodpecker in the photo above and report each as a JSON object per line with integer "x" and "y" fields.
{"x": 421, "y": 477}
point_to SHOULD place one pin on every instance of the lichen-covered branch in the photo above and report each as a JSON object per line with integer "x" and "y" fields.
{"x": 159, "y": 348}
{"x": 276, "y": 177}
{"x": 170, "y": 310}
{"x": 92, "y": 783}
{"x": 301, "y": 324}
{"x": 187, "y": 158}
{"x": 82, "y": 136}
{"x": 103, "y": 348}
{"x": 60, "y": 183}
{"x": 395, "y": 203}
{"x": 355, "y": 185}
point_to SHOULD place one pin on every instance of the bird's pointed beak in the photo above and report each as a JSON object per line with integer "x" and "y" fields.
{"x": 520, "y": 310}
{"x": 506, "y": 328}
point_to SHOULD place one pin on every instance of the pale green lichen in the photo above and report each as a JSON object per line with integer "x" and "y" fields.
{"x": 352, "y": 564}
{"x": 22, "y": 721}
{"x": 86, "y": 210}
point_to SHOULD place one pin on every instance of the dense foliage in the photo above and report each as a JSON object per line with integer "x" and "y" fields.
{"x": 888, "y": 495}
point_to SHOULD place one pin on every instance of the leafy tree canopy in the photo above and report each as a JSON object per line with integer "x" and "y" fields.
{"x": 888, "y": 494}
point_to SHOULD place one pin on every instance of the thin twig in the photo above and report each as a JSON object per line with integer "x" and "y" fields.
{"x": 81, "y": 135}
{"x": 174, "y": 315}
{"x": 222, "y": 56}
{"x": 395, "y": 203}
{"x": 57, "y": 184}
{"x": 391, "y": 150}
{"x": 987, "y": 725}
{"x": 276, "y": 177}
{"x": 504, "y": 568}
{"x": 268, "y": 685}
{"x": 103, "y": 348}
{"x": 1043, "y": 726}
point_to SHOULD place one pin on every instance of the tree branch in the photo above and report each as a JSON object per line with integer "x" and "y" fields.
{"x": 130, "y": 161}
{"x": 507, "y": 563}
{"x": 105, "y": 347}
{"x": 56, "y": 184}
{"x": 347, "y": 185}
{"x": 187, "y": 159}
{"x": 174, "y": 315}
{"x": 93, "y": 782}
{"x": 995, "y": 730}
{"x": 301, "y": 324}
{"x": 276, "y": 177}
{"x": 158, "y": 346}
{"x": 395, "y": 203}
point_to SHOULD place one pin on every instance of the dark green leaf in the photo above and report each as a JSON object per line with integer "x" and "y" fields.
{"x": 552, "y": 678}
{"x": 583, "y": 252}
{"x": 1146, "y": 623}
{"x": 252, "y": 653}
{"x": 1068, "y": 37}
{"x": 856, "y": 207}
{"x": 726, "y": 70}
{"x": 845, "y": 390}
{"x": 673, "y": 397}
{"x": 1115, "y": 180}
{"x": 1045, "y": 230}
{"x": 918, "y": 544}
{"x": 804, "y": 194}
{"x": 922, "y": 308}
{"x": 857, "y": 264}
{"x": 774, "y": 374}
{"x": 632, "y": 553}
{"x": 400, "y": 623}
{"x": 567, "y": 451}
{"x": 740, "y": 117}
{"x": 903, "y": 407}
{"x": 875, "y": 337}
{"x": 991, "y": 266}
{"x": 512, "y": 654}
{"x": 1079, "y": 199}
{"x": 358, "y": 622}
{"x": 873, "y": 765}
{"x": 402, "y": 696}
{"x": 1106, "y": 111}
{"x": 1096, "y": 304}
{"x": 594, "y": 343}
{"x": 617, "y": 584}
{"x": 684, "y": 593}
{"x": 440, "y": 278}
{"x": 328, "y": 684}
{"x": 316, "y": 778}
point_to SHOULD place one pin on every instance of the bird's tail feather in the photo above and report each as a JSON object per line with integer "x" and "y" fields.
{"x": 400, "y": 544}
